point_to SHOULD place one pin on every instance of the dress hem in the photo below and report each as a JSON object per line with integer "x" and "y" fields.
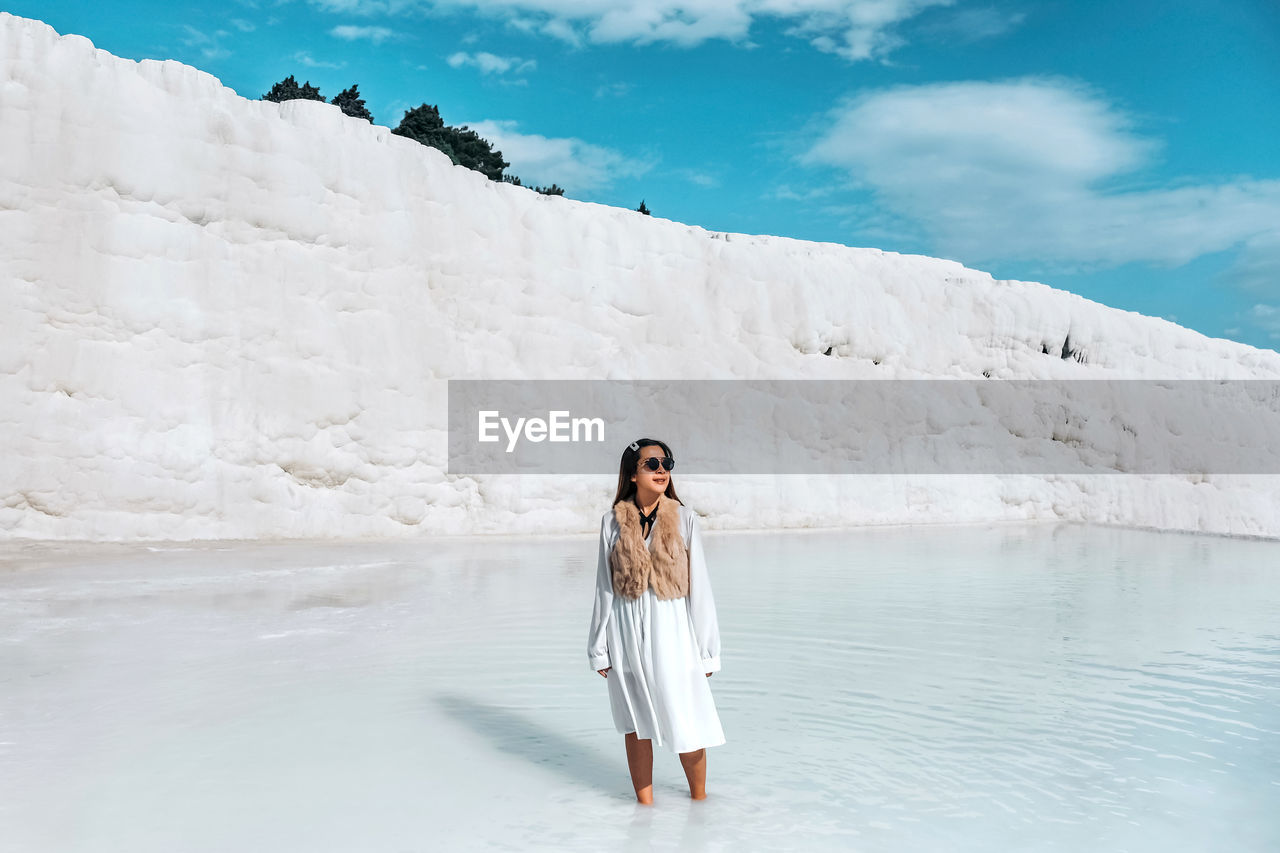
{"x": 670, "y": 748}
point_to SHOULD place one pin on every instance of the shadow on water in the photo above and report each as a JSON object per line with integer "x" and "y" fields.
{"x": 515, "y": 734}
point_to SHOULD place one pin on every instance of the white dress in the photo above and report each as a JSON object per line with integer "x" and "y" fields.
{"x": 660, "y": 651}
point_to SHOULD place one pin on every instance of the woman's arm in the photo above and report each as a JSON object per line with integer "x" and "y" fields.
{"x": 702, "y": 605}
{"x": 598, "y": 639}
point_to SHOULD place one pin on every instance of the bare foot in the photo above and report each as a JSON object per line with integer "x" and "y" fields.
{"x": 644, "y": 796}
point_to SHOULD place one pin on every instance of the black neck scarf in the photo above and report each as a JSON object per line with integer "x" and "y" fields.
{"x": 646, "y": 521}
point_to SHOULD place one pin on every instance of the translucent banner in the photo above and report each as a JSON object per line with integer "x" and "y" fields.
{"x": 913, "y": 426}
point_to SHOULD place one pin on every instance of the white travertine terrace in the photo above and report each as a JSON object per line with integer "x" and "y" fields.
{"x": 229, "y": 318}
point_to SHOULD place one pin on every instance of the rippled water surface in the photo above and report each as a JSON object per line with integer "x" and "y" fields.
{"x": 934, "y": 688}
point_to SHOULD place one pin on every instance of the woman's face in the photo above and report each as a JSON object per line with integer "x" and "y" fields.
{"x": 655, "y": 480}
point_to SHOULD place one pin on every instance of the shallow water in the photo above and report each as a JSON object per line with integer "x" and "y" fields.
{"x": 931, "y": 688}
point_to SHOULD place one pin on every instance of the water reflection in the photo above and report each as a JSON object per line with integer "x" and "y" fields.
{"x": 964, "y": 688}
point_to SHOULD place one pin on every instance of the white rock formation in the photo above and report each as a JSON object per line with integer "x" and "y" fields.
{"x": 226, "y": 318}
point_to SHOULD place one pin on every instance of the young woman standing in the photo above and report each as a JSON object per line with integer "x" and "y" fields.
{"x": 654, "y": 632}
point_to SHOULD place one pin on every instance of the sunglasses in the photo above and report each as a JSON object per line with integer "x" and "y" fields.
{"x": 653, "y": 462}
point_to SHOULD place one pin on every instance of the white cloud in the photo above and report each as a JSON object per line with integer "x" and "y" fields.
{"x": 209, "y": 44}
{"x": 563, "y": 30}
{"x": 304, "y": 58}
{"x": 1257, "y": 268}
{"x": 701, "y": 179}
{"x": 683, "y": 23}
{"x": 971, "y": 23}
{"x": 613, "y": 90}
{"x": 243, "y": 26}
{"x": 489, "y": 63}
{"x": 571, "y": 163}
{"x": 367, "y": 7}
{"x": 853, "y": 29}
{"x": 784, "y": 192}
{"x": 1027, "y": 169}
{"x": 377, "y": 35}
{"x": 1267, "y": 318}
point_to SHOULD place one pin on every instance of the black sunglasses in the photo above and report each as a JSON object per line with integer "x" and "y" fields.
{"x": 653, "y": 462}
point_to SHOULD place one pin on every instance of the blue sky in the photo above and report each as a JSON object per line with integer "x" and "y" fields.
{"x": 1123, "y": 151}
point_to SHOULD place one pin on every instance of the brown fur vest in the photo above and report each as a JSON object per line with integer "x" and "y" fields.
{"x": 665, "y": 563}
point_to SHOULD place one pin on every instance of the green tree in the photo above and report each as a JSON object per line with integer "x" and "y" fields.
{"x": 554, "y": 189}
{"x": 424, "y": 124}
{"x": 477, "y": 153}
{"x": 289, "y": 90}
{"x": 350, "y": 102}
{"x": 464, "y": 146}
{"x": 642, "y": 208}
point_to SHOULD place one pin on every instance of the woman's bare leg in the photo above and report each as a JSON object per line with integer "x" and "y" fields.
{"x": 695, "y": 770}
{"x": 640, "y": 762}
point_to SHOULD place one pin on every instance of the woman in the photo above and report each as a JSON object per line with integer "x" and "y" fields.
{"x": 654, "y": 633}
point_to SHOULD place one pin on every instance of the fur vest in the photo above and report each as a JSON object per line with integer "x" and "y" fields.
{"x": 664, "y": 564}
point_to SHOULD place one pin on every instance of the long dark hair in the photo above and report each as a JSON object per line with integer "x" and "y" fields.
{"x": 628, "y": 464}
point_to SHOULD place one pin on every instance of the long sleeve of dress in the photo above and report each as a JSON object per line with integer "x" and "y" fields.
{"x": 702, "y": 604}
{"x": 597, "y": 638}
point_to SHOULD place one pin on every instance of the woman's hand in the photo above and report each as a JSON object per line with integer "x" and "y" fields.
{"x": 708, "y": 675}
{"x": 604, "y": 673}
